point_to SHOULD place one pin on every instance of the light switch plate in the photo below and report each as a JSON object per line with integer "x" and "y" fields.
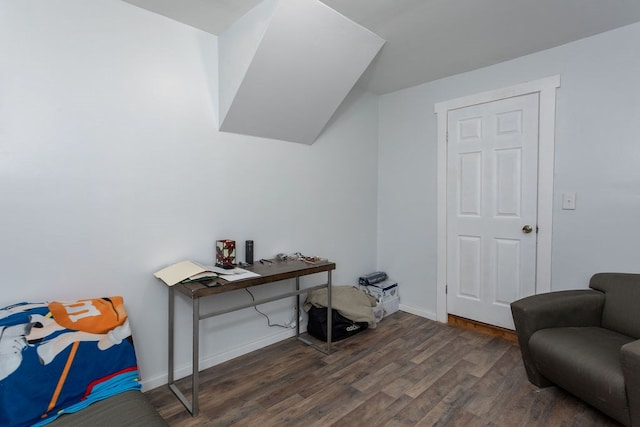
{"x": 569, "y": 201}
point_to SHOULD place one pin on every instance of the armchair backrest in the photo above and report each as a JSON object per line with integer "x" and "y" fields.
{"x": 622, "y": 294}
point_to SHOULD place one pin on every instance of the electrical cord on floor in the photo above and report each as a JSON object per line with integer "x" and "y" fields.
{"x": 268, "y": 320}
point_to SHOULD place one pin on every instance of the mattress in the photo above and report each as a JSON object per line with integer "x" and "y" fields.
{"x": 130, "y": 408}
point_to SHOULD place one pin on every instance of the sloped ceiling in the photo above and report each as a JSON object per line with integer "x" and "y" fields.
{"x": 290, "y": 86}
{"x": 290, "y": 79}
{"x": 430, "y": 39}
{"x": 212, "y": 16}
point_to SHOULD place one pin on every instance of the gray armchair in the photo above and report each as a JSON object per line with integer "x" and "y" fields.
{"x": 587, "y": 342}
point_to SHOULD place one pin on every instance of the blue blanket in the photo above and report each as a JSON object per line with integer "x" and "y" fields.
{"x": 59, "y": 357}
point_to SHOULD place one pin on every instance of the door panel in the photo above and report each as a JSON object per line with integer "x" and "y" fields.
{"x": 491, "y": 194}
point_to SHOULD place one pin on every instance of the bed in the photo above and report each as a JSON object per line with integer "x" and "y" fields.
{"x": 65, "y": 363}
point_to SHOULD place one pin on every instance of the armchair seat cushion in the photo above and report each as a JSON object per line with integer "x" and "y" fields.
{"x": 586, "y": 362}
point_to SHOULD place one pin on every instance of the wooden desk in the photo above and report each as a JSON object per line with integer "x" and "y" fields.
{"x": 269, "y": 273}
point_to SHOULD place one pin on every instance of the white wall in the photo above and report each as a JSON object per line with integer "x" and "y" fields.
{"x": 111, "y": 167}
{"x": 597, "y": 156}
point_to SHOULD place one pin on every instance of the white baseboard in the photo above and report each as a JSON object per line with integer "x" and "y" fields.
{"x": 216, "y": 359}
{"x": 418, "y": 312}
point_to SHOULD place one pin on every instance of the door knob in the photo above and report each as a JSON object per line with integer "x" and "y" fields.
{"x": 527, "y": 229}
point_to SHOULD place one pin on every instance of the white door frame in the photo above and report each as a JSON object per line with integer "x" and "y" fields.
{"x": 546, "y": 88}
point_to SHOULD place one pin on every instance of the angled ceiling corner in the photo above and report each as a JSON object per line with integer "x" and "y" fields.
{"x": 287, "y": 65}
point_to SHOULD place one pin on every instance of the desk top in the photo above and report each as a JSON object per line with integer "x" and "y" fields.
{"x": 269, "y": 272}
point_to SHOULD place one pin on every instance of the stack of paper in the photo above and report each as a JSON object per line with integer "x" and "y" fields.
{"x": 185, "y": 271}
{"x": 200, "y": 277}
{"x": 237, "y": 274}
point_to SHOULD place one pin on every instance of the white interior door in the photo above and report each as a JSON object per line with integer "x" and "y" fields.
{"x": 492, "y": 179}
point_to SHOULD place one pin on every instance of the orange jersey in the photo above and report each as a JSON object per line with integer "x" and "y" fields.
{"x": 97, "y": 316}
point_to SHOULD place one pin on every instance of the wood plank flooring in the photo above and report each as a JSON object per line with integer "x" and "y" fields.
{"x": 409, "y": 371}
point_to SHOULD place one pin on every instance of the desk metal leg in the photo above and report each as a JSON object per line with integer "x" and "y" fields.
{"x": 172, "y": 295}
{"x": 195, "y": 377}
{"x": 329, "y": 313}
{"x": 297, "y": 307}
{"x": 327, "y": 349}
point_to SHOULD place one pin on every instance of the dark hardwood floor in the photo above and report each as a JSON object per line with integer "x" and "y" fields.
{"x": 409, "y": 371}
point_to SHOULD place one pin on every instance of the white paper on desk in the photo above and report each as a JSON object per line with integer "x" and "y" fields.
{"x": 239, "y": 274}
{"x": 223, "y": 271}
{"x": 178, "y": 272}
{"x": 227, "y": 272}
{"x": 215, "y": 269}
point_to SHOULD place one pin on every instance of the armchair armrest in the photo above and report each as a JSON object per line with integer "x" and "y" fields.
{"x": 631, "y": 369}
{"x": 553, "y": 310}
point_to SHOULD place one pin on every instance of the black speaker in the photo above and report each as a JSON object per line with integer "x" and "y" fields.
{"x": 248, "y": 251}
